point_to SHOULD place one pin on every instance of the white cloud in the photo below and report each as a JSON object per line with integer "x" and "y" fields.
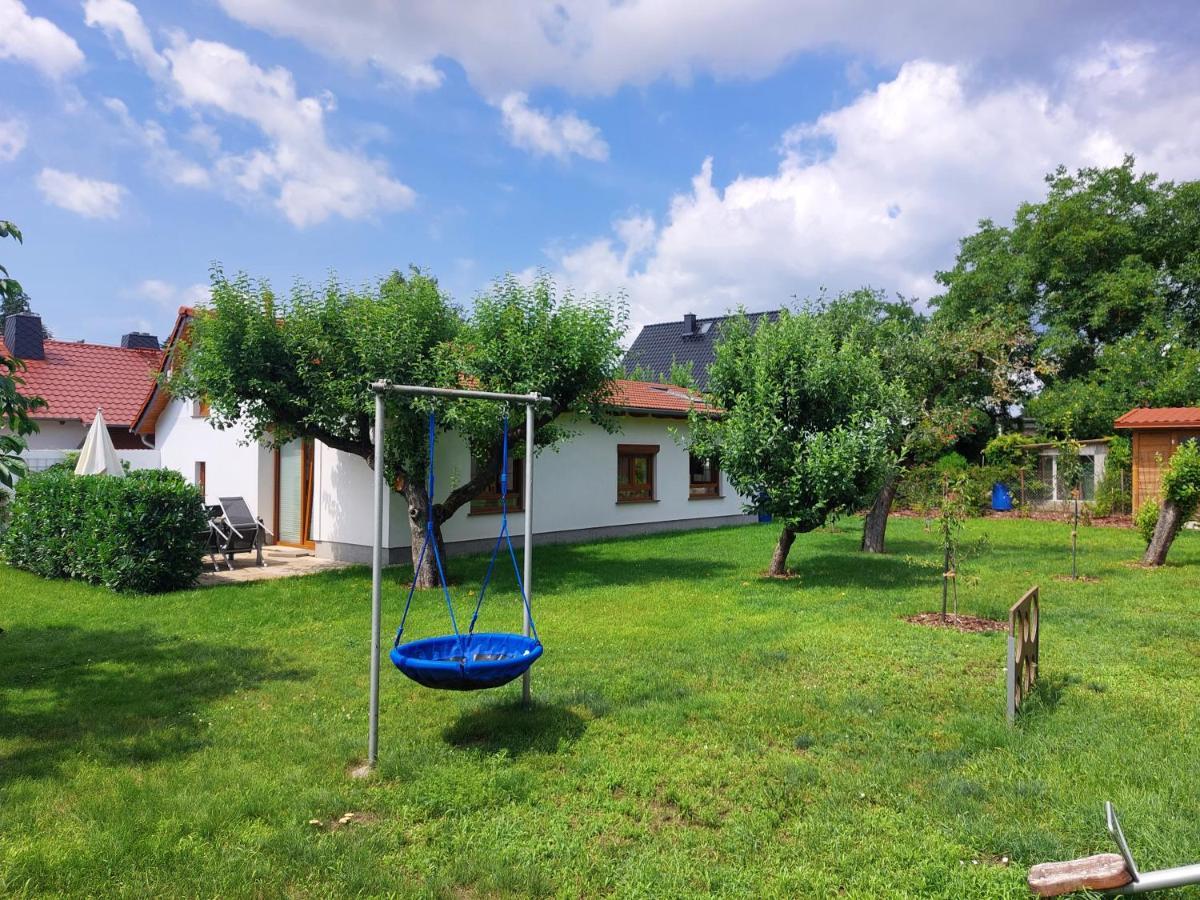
{"x": 169, "y": 295}
{"x": 545, "y": 134}
{"x": 596, "y": 46}
{"x": 164, "y": 159}
{"x": 90, "y": 198}
{"x": 878, "y": 191}
{"x": 305, "y": 176}
{"x": 36, "y": 41}
{"x": 121, "y": 19}
{"x": 13, "y": 134}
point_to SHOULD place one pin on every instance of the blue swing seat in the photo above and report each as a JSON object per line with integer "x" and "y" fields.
{"x": 490, "y": 660}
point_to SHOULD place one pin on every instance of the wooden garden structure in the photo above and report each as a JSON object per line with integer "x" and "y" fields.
{"x": 1156, "y": 435}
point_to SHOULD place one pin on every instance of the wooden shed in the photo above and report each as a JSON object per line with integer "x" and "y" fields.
{"x": 1156, "y": 434}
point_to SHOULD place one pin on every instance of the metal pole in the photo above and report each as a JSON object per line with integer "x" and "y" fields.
{"x": 376, "y": 582}
{"x": 455, "y": 392}
{"x": 528, "y": 547}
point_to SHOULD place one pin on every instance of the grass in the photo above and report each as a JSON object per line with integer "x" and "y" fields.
{"x": 698, "y": 729}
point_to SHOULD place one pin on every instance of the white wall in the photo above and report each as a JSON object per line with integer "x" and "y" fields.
{"x": 232, "y": 468}
{"x": 58, "y": 435}
{"x": 575, "y": 487}
{"x": 42, "y": 459}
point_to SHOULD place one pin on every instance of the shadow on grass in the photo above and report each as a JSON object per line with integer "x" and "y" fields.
{"x": 125, "y": 696}
{"x": 515, "y": 728}
{"x": 582, "y": 566}
{"x": 854, "y": 569}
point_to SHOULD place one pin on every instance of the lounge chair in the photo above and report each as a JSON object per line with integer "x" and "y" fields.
{"x": 235, "y": 530}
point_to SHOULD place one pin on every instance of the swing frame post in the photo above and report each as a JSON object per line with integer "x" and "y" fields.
{"x": 380, "y": 388}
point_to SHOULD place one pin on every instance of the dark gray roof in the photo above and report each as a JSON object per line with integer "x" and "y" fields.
{"x": 690, "y": 339}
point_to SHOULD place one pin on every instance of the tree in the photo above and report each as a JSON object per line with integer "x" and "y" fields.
{"x": 1180, "y": 497}
{"x": 302, "y": 365}
{"x": 1107, "y": 269}
{"x": 16, "y": 409}
{"x": 807, "y": 422}
{"x": 955, "y": 379}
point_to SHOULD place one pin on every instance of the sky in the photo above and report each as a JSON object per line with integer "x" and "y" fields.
{"x": 687, "y": 155}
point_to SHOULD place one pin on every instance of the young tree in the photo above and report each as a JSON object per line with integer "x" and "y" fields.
{"x": 1180, "y": 498}
{"x": 808, "y": 419}
{"x": 16, "y": 422}
{"x": 302, "y": 365}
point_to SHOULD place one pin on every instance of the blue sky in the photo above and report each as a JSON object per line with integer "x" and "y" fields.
{"x": 693, "y": 156}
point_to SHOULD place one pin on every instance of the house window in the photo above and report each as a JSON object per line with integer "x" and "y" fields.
{"x": 704, "y": 478}
{"x": 202, "y": 479}
{"x": 635, "y": 472}
{"x": 200, "y": 408}
{"x": 488, "y": 502}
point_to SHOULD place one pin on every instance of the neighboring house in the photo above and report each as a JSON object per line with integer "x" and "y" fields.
{"x": 1157, "y": 433}
{"x": 593, "y": 485}
{"x": 75, "y": 378}
{"x": 1046, "y": 489}
{"x": 693, "y": 341}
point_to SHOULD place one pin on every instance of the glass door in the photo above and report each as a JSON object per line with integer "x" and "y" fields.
{"x": 294, "y": 492}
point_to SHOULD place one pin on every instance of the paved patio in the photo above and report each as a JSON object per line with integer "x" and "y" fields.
{"x": 281, "y": 562}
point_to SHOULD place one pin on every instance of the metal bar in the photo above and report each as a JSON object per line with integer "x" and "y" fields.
{"x": 1160, "y": 879}
{"x": 527, "y": 556}
{"x": 376, "y": 583}
{"x": 414, "y": 389}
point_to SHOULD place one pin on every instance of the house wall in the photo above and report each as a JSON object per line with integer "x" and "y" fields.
{"x": 575, "y": 488}
{"x": 1152, "y": 450}
{"x": 53, "y": 434}
{"x": 1055, "y": 499}
{"x": 233, "y": 468}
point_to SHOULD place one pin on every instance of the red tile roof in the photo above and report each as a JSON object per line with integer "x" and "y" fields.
{"x": 76, "y": 378}
{"x": 645, "y": 396}
{"x": 1162, "y": 417}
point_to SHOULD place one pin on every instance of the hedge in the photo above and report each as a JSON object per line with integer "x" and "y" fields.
{"x": 142, "y": 533}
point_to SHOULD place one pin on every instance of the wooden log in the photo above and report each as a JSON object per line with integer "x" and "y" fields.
{"x": 1092, "y": 873}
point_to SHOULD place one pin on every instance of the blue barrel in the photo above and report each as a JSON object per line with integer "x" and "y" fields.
{"x": 1001, "y": 497}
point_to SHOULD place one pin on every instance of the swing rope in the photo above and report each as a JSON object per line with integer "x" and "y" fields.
{"x": 503, "y": 537}
{"x": 427, "y": 542}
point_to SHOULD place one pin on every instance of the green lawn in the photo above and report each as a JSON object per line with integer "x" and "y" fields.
{"x": 698, "y": 729}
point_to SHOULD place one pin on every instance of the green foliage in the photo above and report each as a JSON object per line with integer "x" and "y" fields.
{"x": 1181, "y": 481}
{"x": 682, "y": 374}
{"x": 1146, "y": 519}
{"x": 143, "y": 533}
{"x": 1009, "y": 449}
{"x": 1069, "y": 465}
{"x": 922, "y": 486}
{"x": 810, "y": 417}
{"x": 949, "y": 463}
{"x": 16, "y": 410}
{"x": 1108, "y": 267}
{"x": 1114, "y": 492}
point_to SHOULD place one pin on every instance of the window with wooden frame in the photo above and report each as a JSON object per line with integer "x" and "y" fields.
{"x": 200, "y": 408}
{"x": 488, "y": 502}
{"x": 635, "y": 472}
{"x": 202, "y": 479}
{"x": 704, "y": 478}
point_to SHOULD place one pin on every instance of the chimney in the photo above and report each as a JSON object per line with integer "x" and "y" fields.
{"x": 689, "y": 324}
{"x": 23, "y": 336}
{"x": 139, "y": 340}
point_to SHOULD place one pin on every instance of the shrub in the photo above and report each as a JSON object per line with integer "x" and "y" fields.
{"x": 1181, "y": 481}
{"x": 140, "y": 533}
{"x": 1146, "y": 520}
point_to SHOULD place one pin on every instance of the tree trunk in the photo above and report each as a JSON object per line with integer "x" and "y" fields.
{"x": 779, "y": 560}
{"x": 875, "y": 524}
{"x": 419, "y": 509}
{"x": 1170, "y": 518}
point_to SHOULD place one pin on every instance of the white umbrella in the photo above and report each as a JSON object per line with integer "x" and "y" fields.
{"x": 98, "y": 456}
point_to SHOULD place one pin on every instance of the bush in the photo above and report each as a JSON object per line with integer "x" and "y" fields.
{"x": 921, "y": 487}
{"x": 1146, "y": 520}
{"x": 1181, "y": 481}
{"x": 140, "y": 533}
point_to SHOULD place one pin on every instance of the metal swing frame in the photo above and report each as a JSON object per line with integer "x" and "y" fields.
{"x": 381, "y": 389}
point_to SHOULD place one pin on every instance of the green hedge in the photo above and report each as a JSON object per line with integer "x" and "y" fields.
{"x": 140, "y": 533}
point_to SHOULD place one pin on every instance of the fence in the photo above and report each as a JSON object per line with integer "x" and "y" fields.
{"x": 41, "y": 460}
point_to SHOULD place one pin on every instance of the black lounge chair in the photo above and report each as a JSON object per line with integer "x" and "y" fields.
{"x": 233, "y": 529}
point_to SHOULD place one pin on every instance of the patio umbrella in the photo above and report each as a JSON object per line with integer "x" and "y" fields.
{"x": 98, "y": 456}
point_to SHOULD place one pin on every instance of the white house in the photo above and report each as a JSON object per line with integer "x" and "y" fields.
{"x": 595, "y": 484}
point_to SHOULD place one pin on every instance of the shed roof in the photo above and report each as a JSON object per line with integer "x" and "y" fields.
{"x": 76, "y": 378}
{"x": 1160, "y": 417}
